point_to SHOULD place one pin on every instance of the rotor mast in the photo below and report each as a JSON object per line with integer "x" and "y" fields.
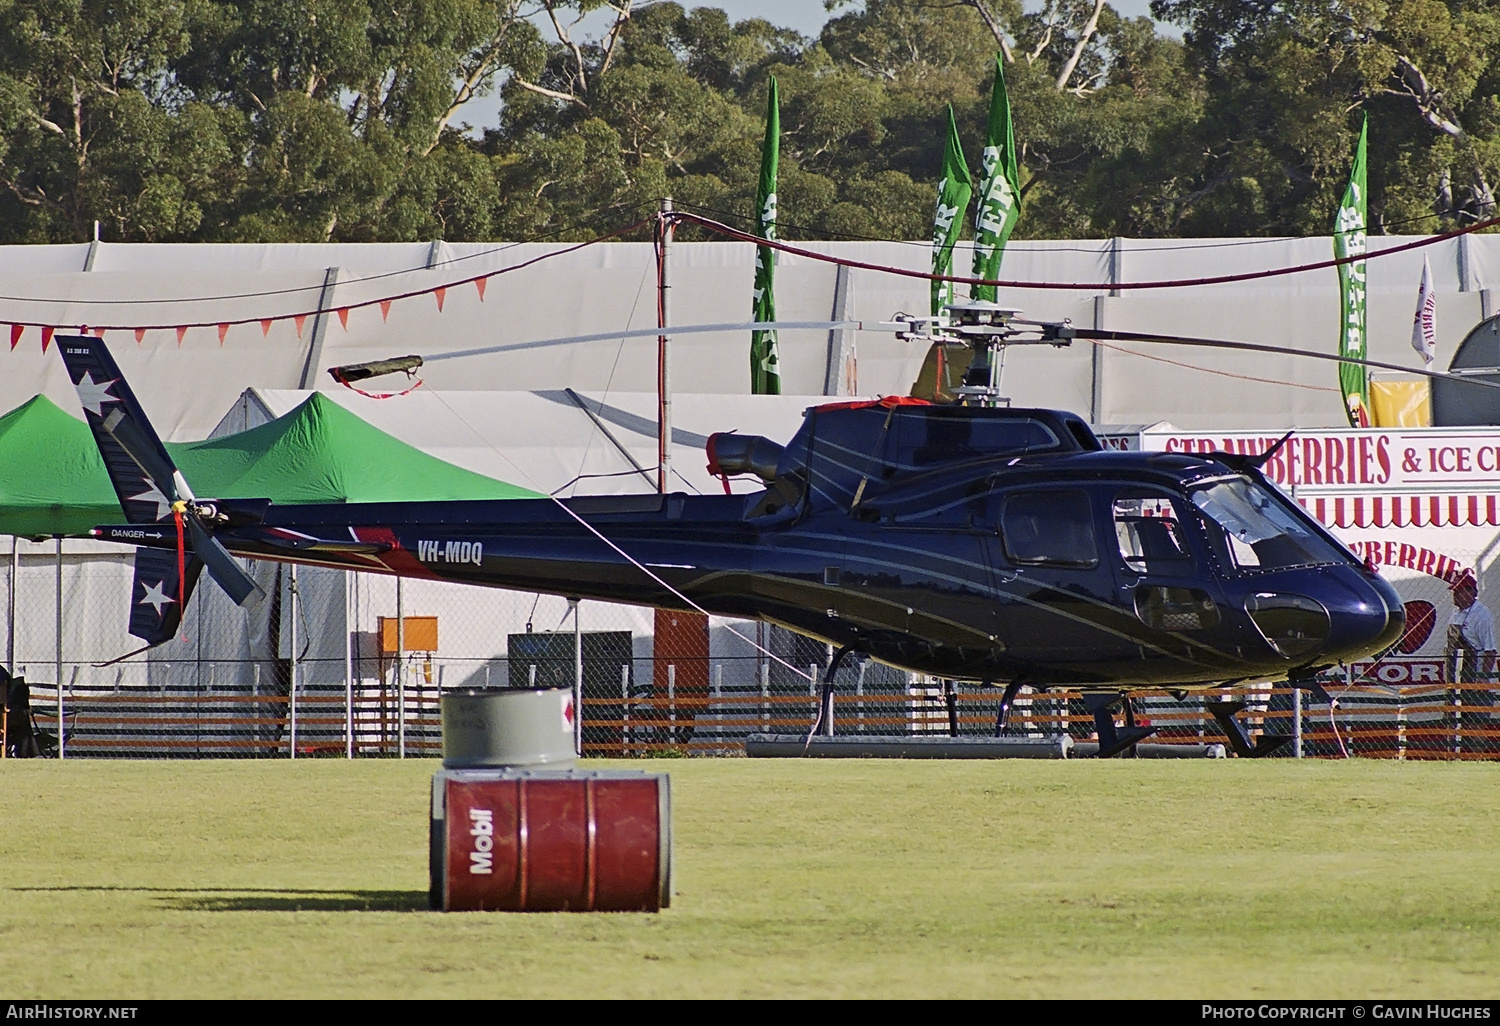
{"x": 987, "y": 329}
{"x": 665, "y": 223}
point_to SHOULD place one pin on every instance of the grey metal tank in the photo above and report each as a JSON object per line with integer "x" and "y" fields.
{"x": 519, "y": 727}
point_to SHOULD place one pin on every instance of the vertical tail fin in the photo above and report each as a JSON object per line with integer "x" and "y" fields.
{"x": 159, "y": 594}
{"x": 150, "y": 487}
{"x": 144, "y": 476}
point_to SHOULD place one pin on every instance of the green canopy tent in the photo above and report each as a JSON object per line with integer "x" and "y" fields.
{"x": 52, "y": 479}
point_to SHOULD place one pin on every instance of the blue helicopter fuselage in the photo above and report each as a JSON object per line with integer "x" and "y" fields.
{"x": 970, "y": 543}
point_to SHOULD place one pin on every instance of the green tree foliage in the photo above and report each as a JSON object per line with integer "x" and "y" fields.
{"x": 311, "y": 120}
{"x": 1286, "y": 84}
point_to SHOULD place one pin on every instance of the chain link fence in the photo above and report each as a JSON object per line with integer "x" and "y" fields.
{"x": 322, "y": 669}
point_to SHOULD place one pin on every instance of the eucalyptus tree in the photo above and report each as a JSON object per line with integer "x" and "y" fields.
{"x": 94, "y": 127}
{"x": 1287, "y": 83}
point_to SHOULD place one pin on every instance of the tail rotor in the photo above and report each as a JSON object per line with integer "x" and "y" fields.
{"x": 152, "y": 491}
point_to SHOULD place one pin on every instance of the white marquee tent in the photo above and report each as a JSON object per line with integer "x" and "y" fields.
{"x": 608, "y": 287}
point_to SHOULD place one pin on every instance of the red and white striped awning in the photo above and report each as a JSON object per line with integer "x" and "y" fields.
{"x": 1404, "y": 510}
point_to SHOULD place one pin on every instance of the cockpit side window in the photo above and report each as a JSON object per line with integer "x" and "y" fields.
{"x": 1050, "y": 528}
{"x": 1150, "y": 535}
{"x": 1260, "y": 531}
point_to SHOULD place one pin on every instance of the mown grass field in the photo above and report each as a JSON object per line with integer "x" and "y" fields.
{"x": 824, "y": 879}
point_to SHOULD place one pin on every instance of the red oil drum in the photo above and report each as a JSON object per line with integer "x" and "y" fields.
{"x": 550, "y": 841}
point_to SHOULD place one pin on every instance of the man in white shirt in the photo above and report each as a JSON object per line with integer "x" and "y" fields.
{"x": 1471, "y": 629}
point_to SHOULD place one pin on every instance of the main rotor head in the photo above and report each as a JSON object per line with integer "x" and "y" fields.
{"x": 987, "y": 329}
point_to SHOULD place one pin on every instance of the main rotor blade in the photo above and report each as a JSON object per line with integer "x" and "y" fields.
{"x": 222, "y": 567}
{"x": 672, "y": 330}
{"x": 1102, "y": 335}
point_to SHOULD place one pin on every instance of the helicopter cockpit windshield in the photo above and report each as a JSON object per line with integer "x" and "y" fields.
{"x": 1260, "y": 531}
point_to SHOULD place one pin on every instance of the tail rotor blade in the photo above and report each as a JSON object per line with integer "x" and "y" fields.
{"x": 222, "y": 567}
{"x": 142, "y": 448}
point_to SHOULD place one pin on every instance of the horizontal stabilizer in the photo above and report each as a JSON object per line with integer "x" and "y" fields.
{"x": 286, "y": 538}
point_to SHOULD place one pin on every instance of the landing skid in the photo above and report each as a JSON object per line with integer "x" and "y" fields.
{"x": 1007, "y": 700}
{"x": 1223, "y": 714}
{"x": 1313, "y": 687}
{"x": 824, "y": 723}
{"x": 1114, "y": 740}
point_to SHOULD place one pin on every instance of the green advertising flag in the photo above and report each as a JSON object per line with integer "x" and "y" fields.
{"x": 1349, "y": 241}
{"x": 765, "y": 363}
{"x": 1000, "y": 192}
{"x": 952, "y": 204}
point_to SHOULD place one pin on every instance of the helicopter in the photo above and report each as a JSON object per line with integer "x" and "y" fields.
{"x": 973, "y": 541}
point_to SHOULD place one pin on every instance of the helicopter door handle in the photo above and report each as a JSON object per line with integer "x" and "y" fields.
{"x": 1007, "y": 576}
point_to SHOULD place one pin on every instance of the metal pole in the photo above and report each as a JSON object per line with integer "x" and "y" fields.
{"x": 292, "y": 688}
{"x": 716, "y": 697}
{"x": 258, "y": 729}
{"x": 1458, "y": 701}
{"x": 826, "y": 711}
{"x": 1349, "y": 722}
{"x": 1400, "y": 725}
{"x": 624, "y": 708}
{"x": 859, "y": 695}
{"x": 672, "y": 703}
{"x": 62, "y": 733}
{"x": 765, "y": 696}
{"x": 1297, "y": 723}
{"x": 400, "y": 674}
{"x": 663, "y": 356}
{"x": 198, "y": 697}
{"x": 577, "y": 680}
{"x": 348, "y": 667}
{"x": 15, "y": 576}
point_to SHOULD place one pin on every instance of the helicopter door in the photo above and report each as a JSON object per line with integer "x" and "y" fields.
{"x": 1051, "y": 569}
{"x": 919, "y": 579}
{"x": 1157, "y": 572}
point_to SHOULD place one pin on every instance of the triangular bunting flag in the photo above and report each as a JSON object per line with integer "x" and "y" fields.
{"x": 301, "y": 319}
{"x": 385, "y": 309}
{"x": 97, "y": 332}
{"x": 180, "y": 332}
{"x": 440, "y": 293}
{"x": 140, "y": 333}
{"x": 265, "y": 327}
{"x": 480, "y": 283}
{"x": 223, "y": 330}
{"x": 15, "y": 334}
{"x": 47, "y": 337}
{"x": 344, "y": 317}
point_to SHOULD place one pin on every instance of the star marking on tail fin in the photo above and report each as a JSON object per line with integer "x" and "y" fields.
{"x": 156, "y": 596}
{"x": 94, "y": 394}
{"x": 153, "y": 494}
